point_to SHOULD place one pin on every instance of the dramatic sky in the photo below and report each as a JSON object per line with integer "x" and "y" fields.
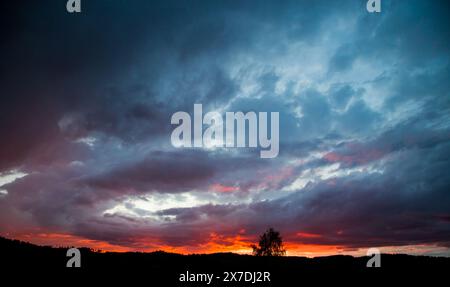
{"x": 364, "y": 103}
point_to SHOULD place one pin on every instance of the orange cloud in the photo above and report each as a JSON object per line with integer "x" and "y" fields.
{"x": 308, "y": 235}
{"x": 223, "y": 188}
{"x": 357, "y": 157}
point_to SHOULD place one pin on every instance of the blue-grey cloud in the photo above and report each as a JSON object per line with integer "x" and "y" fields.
{"x": 364, "y": 120}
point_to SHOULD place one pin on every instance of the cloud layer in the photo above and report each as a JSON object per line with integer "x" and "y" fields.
{"x": 364, "y": 108}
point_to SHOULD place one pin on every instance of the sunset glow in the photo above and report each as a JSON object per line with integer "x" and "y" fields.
{"x": 334, "y": 126}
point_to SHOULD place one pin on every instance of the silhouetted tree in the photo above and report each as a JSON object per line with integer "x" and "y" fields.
{"x": 270, "y": 244}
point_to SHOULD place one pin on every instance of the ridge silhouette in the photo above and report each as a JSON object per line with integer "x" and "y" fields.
{"x": 166, "y": 267}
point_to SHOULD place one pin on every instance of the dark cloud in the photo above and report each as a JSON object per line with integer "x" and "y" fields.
{"x": 159, "y": 171}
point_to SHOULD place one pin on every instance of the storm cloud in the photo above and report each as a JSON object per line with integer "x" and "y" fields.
{"x": 364, "y": 104}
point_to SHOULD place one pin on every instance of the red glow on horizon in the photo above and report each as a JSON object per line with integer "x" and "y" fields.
{"x": 216, "y": 243}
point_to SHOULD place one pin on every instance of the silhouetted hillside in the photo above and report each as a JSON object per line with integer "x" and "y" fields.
{"x": 167, "y": 267}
